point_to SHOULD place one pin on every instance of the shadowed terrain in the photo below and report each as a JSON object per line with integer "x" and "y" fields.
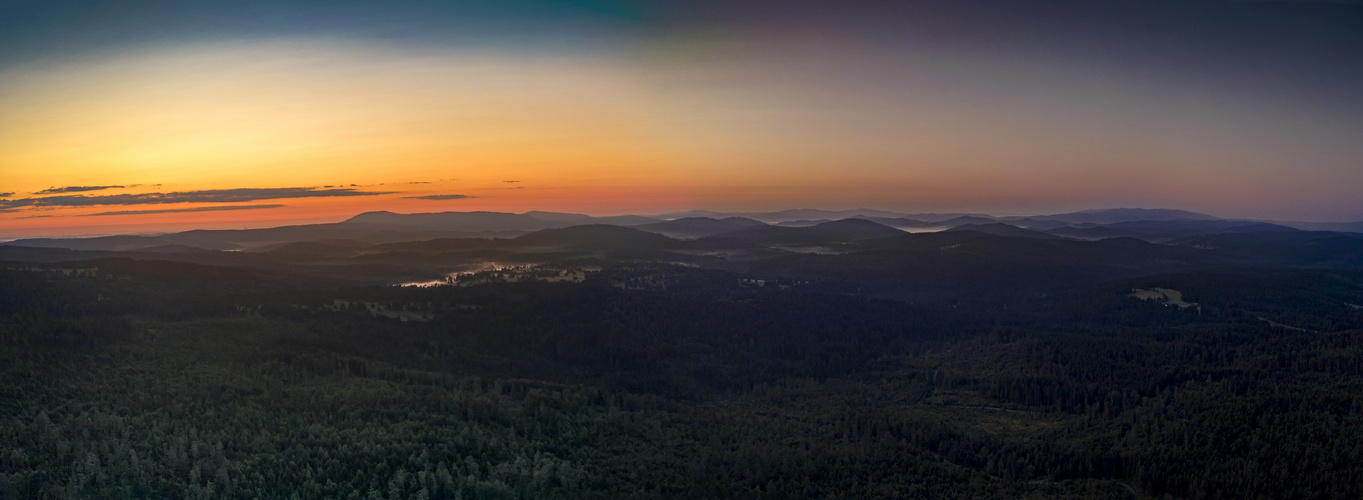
{"x": 701, "y": 357}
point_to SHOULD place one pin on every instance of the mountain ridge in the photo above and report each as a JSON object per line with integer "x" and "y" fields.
{"x": 379, "y": 227}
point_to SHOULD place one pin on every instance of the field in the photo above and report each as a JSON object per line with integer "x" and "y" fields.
{"x": 1166, "y": 295}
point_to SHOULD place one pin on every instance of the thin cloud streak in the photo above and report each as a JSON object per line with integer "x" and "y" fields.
{"x": 240, "y": 195}
{"x": 179, "y": 210}
{"x": 440, "y": 197}
{"x": 76, "y": 189}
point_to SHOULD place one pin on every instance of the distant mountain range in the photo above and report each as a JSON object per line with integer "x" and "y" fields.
{"x": 804, "y": 227}
{"x": 818, "y": 215}
{"x": 912, "y": 257}
{"x": 697, "y": 227}
{"x": 1113, "y": 215}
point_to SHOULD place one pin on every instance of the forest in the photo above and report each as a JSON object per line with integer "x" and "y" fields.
{"x": 136, "y": 378}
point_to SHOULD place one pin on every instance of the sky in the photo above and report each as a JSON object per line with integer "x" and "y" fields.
{"x": 152, "y": 116}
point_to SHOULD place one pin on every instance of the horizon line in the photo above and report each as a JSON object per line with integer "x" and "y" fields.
{"x": 671, "y": 215}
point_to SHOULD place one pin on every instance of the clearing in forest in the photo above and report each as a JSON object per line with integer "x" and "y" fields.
{"x": 1168, "y": 296}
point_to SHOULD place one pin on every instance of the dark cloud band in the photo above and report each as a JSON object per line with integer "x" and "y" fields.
{"x": 241, "y": 195}
{"x": 195, "y": 209}
{"x": 439, "y": 197}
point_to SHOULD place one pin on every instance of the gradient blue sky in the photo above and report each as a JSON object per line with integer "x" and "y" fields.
{"x": 1235, "y": 108}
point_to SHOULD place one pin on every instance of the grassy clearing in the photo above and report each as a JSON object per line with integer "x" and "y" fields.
{"x": 1146, "y": 294}
{"x": 1173, "y": 297}
{"x": 1168, "y": 296}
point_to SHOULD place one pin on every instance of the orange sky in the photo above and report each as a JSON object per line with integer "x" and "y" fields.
{"x": 685, "y": 121}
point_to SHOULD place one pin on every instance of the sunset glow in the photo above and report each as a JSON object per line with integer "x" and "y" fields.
{"x": 647, "y": 112}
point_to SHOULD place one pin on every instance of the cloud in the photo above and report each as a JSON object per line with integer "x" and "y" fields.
{"x": 510, "y": 181}
{"x": 75, "y": 189}
{"x": 195, "y": 209}
{"x": 241, "y": 195}
{"x": 29, "y": 209}
{"x": 6, "y": 195}
{"x": 440, "y": 197}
